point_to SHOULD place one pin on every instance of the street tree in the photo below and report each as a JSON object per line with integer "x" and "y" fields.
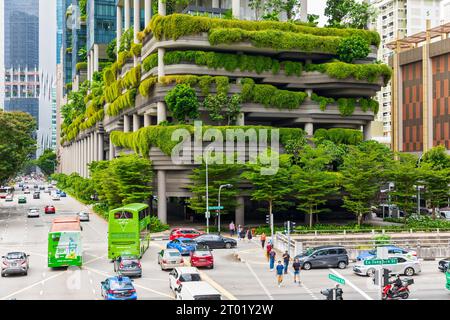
{"x": 363, "y": 172}
{"x": 437, "y": 157}
{"x": 16, "y": 142}
{"x": 349, "y": 14}
{"x": 436, "y": 182}
{"x": 47, "y": 162}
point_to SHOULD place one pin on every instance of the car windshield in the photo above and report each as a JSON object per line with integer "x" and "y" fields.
{"x": 190, "y": 277}
{"x": 15, "y": 255}
{"x": 174, "y": 254}
{"x": 202, "y": 253}
{"x": 122, "y": 285}
{"x": 188, "y": 241}
{"x": 130, "y": 262}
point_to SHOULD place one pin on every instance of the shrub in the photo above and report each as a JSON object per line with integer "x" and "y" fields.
{"x": 108, "y": 76}
{"x": 124, "y": 101}
{"x": 352, "y": 48}
{"x": 323, "y": 101}
{"x": 147, "y": 85}
{"x": 156, "y": 225}
{"x": 136, "y": 49}
{"x": 346, "y": 106}
{"x": 339, "y": 136}
{"x": 150, "y": 62}
{"x": 382, "y": 239}
{"x": 113, "y": 91}
{"x": 182, "y": 101}
{"x": 126, "y": 40}
{"x": 81, "y": 66}
{"x": 132, "y": 78}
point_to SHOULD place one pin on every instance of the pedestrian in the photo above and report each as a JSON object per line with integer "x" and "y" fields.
{"x": 249, "y": 235}
{"x": 272, "y": 256}
{"x": 239, "y": 230}
{"x": 232, "y": 228}
{"x": 263, "y": 240}
{"x": 297, "y": 267}
{"x": 268, "y": 249}
{"x": 280, "y": 269}
{"x": 242, "y": 234}
{"x": 286, "y": 258}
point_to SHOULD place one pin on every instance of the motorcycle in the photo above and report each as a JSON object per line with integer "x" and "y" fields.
{"x": 399, "y": 292}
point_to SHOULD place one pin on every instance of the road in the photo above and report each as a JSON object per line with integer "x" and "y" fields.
{"x": 249, "y": 279}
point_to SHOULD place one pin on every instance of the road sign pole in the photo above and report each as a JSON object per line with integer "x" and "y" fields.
{"x": 289, "y": 237}
{"x": 380, "y": 277}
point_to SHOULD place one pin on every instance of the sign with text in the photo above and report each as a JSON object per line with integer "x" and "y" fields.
{"x": 374, "y": 262}
{"x": 336, "y": 278}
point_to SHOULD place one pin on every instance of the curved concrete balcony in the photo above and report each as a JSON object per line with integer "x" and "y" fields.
{"x": 320, "y": 82}
{"x": 201, "y": 42}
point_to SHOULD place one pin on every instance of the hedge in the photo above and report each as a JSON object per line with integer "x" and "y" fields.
{"x": 160, "y": 136}
{"x": 177, "y": 25}
{"x": 347, "y": 106}
{"x": 339, "y": 136}
{"x": 147, "y": 85}
{"x": 125, "y": 101}
{"x": 113, "y": 91}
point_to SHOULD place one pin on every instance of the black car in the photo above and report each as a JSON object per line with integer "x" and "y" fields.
{"x": 36, "y": 195}
{"x": 324, "y": 257}
{"x": 214, "y": 241}
{"x": 443, "y": 264}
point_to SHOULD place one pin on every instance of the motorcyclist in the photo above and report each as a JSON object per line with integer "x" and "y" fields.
{"x": 397, "y": 284}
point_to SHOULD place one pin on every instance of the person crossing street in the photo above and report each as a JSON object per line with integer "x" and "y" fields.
{"x": 297, "y": 267}
{"x": 263, "y": 239}
{"x": 280, "y": 269}
{"x": 268, "y": 249}
{"x": 286, "y": 258}
{"x": 272, "y": 256}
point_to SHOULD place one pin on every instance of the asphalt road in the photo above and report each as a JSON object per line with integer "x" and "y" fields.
{"x": 249, "y": 279}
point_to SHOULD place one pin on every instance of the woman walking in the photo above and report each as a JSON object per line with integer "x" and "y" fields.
{"x": 232, "y": 228}
{"x": 249, "y": 235}
{"x": 263, "y": 239}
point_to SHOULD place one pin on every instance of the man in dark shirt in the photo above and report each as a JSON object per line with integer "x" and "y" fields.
{"x": 297, "y": 267}
{"x": 286, "y": 258}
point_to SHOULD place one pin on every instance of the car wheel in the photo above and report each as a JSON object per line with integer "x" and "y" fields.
{"x": 409, "y": 272}
{"x": 371, "y": 272}
{"x": 228, "y": 245}
{"x": 211, "y": 267}
{"x": 307, "y": 266}
{"x": 3, "y": 275}
{"x": 342, "y": 265}
{"x": 25, "y": 273}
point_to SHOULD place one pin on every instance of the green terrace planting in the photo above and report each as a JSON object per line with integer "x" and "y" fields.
{"x": 132, "y": 78}
{"x": 256, "y": 63}
{"x": 160, "y": 136}
{"x": 81, "y": 66}
{"x": 177, "y": 25}
{"x": 347, "y": 105}
{"x": 339, "y": 136}
{"x": 123, "y": 102}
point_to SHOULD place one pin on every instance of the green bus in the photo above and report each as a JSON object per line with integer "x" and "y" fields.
{"x": 64, "y": 242}
{"x": 128, "y": 230}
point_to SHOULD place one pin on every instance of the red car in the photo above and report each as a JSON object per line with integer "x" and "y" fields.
{"x": 202, "y": 257}
{"x": 184, "y": 233}
{"x": 50, "y": 209}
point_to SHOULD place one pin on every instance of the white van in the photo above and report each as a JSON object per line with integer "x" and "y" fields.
{"x": 197, "y": 290}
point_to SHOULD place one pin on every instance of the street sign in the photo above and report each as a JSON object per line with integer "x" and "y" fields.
{"x": 215, "y": 208}
{"x": 373, "y": 262}
{"x": 336, "y": 278}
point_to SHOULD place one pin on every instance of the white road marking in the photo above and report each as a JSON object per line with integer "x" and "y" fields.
{"x": 259, "y": 281}
{"x": 365, "y": 295}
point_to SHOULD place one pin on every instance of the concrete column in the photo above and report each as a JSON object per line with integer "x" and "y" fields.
{"x": 136, "y": 19}
{"x": 83, "y": 156}
{"x": 161, "y": 7}
{"x": 161, "y": 72}
{"x": 126, "y": 123}
{"x": 95, "y": 58}
{"x": 136, "y": 122}
{"x": 236, "y": 8}
{"x": 309, "y": 92}
{"x": 89, "y": 66}
{"x": 161, "y": 112}
{"x": 147, "y": 120}
{"x": 111, "y": 150}
{"x": 162, "y": 200}
{"x": 304, "y": 10}
{"x": 240, "y": 121}
{"x": 309, "y": 129}
{"x": 147, "y": 11}
{"x": 101, "y": 143}
{"x": 78, "y": 157}
{"x": 118, "y": 25}
{"x": 367, "y": 131}
{"x": 127, "y": 14}
{"x": 95, "y": 155}
{"x": 215, "y": 3}
{"x": 240, "y": 212}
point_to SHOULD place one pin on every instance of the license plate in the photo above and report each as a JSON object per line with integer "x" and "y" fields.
{"x": 173, "y": 262}
{"x": 13, "y": 264}
{"x": 202, "y": 260}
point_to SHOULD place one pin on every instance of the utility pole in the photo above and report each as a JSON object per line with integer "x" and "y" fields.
{"x": 207, "y": 201}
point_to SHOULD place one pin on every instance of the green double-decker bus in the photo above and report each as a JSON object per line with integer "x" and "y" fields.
{"x": 64, "y": 242}
{"x": 128, "y": 230}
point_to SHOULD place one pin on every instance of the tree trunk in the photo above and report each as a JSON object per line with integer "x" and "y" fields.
{"x": 359, "y": 219}
{"x": 310, "y": 218}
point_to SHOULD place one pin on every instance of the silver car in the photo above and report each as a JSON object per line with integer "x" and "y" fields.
{"x": 33, "y": 213}
{"x": 408, "y": 267}
{"x": 15, "y": 263}
{"x": 84, "y": 216}
{"x": 128, "y": 265}
{"x": 170, "y": 258}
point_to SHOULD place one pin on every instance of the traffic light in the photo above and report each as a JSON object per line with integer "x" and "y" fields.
{"x": 268, "y": 218}
{"x": 386, "y": 273}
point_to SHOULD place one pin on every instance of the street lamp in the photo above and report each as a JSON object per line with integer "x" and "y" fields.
{"x": 418, "y": 199}
{"x": 218, "y": 214}
{"x": 207, "y": 202}
{"x": 391, "y": 186}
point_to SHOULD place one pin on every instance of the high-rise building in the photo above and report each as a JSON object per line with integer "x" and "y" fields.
{"x": 399, "y": 18}
{"x": 19, "y": 79}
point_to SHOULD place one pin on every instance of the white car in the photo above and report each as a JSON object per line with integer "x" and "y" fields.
{"x": 443, "y": 213}
{"x": 408, "y": 267}
{"x": 84, "y": 216}
{"x": 181, "y": 275}
{"x": 56, "y": 196}
{"x": 33, "y": 213}
{"x": 198, "y": 290}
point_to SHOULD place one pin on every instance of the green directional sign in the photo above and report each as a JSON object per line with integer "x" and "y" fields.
{"x": 336, "y": 278}
{"x": 215, "y": 208}
{"x": 374, "y": 262}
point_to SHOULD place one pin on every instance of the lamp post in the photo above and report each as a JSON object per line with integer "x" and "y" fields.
{"x": 207, "y": 201}
{"x": 418, "y": 199}
{"x": 220, "y": 189}
{"x": 391, "y": 185}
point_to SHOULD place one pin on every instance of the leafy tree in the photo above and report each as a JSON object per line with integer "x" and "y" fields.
{"x": 312, "y": 184}
{"x": 218, "y": 174}
{"x": 351, "y": 48}
{"x": 276, "y": 7}
{"x": 111, "y": 50}
{"x": 16, "y": 142}
{"x": 363, "y": 173}
{"x": 257, "y": 6}
{"x": 437, "y": 157}
{"x": 182, "y": 101}
{"x": 82, "y": 54}
{"x": 220, "y": 106}
{"x": 436, "y": 183}
{"x": 405, "y": 175}
{"x": 270, "y": 188}
{"x": 313, "y": 19}
{"x": 349, "y": 14}
{"x": 47, "y": 161}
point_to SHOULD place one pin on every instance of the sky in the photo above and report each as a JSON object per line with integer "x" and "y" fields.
{"x": 318, "y": 7}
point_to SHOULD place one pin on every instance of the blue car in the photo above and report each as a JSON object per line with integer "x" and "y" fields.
{"x": 62, "y": 194}
{"x": 411, "y": 254}
{"x": 58, "y": 192}
{"x": 118, "y": 288}
{"x": 184, "y": 245}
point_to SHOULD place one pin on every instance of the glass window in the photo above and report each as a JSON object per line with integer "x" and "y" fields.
{"x": 123, "y": 215}
{"x": 332, "y": 251}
